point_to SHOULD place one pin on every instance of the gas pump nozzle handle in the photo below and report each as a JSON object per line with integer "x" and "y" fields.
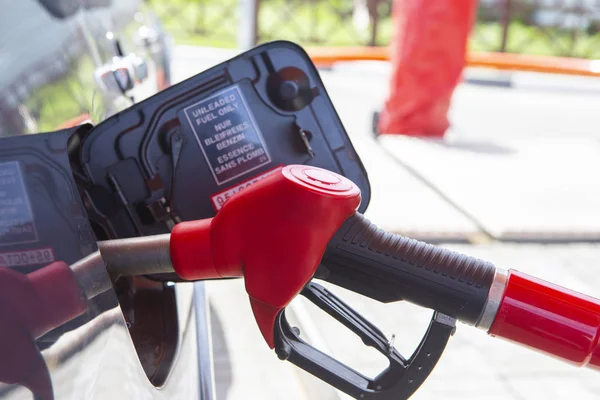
{"x": 390, "y": 267}
{"x": 507, "y": 304}
{"x": 302, "y": 223}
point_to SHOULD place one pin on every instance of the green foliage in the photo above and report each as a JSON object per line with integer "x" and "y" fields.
{"x": 329, "y": 23}
{"x": 63, "y": 99}
{"x": 537, "y": 41}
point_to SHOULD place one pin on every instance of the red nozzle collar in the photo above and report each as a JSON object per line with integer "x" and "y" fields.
{"x": 273, "y": 233}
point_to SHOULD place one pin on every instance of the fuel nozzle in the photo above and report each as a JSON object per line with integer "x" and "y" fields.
{"x": 301, "y": 223}
{"x": 274, "y": 235}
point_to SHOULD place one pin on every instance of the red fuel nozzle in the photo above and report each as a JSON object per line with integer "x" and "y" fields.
{"x": 301, "y": 204}
{"x": 41, "y": 300}
{"x": 30, "y": 306}
{"x": 276, "y": 232}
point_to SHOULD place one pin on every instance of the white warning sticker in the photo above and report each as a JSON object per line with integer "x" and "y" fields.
{"x": 16, "y": 216}
{"x": 228, "y": 135}
{"x": 219, "y": 199}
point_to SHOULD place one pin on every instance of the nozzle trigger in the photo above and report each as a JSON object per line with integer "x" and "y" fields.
{"x": 398, "y": 381}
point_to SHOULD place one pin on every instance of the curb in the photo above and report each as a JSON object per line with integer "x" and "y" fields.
{"x": 326, "y": 56}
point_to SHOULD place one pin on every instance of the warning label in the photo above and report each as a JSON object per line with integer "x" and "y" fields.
{"x": 27, "y": 257}
{"x": 219, "y": 199}
{"x": 16, "y": 218}
{"x": 227, "y": 134}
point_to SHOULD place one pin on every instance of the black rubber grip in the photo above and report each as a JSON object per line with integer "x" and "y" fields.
{"x": 390, "y": 267}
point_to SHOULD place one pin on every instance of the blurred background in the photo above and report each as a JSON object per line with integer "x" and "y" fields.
{"x": 567, "y": 28}
{"x": 514, "y": 180}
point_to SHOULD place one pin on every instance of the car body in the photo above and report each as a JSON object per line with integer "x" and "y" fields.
{"x": 63, "y": 63}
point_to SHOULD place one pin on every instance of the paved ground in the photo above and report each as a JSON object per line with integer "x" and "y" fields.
{"x": 546, "y": 192}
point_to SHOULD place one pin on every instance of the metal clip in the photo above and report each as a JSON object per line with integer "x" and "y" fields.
{"x": 304, "y": 137}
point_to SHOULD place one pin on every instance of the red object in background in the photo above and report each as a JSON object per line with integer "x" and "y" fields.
{"x": 428, "y": 55}
{"x": 551, "y": 319}
{"x": 30, "y": 306}
{"x": 306, "y": 205}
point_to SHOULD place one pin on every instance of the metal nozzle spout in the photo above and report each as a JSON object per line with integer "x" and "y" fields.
{"x": 137, "y": 256}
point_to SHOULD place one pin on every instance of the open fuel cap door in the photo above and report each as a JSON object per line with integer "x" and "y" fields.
{"x": 180, "y": 154}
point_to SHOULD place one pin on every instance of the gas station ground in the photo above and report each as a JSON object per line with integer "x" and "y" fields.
{"x": 515, "y": 182}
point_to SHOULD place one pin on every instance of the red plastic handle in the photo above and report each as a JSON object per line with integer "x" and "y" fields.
{"x": 30, "y": 306}
{"x": 551, "y": 319}
{"x": 274, "y": 234}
